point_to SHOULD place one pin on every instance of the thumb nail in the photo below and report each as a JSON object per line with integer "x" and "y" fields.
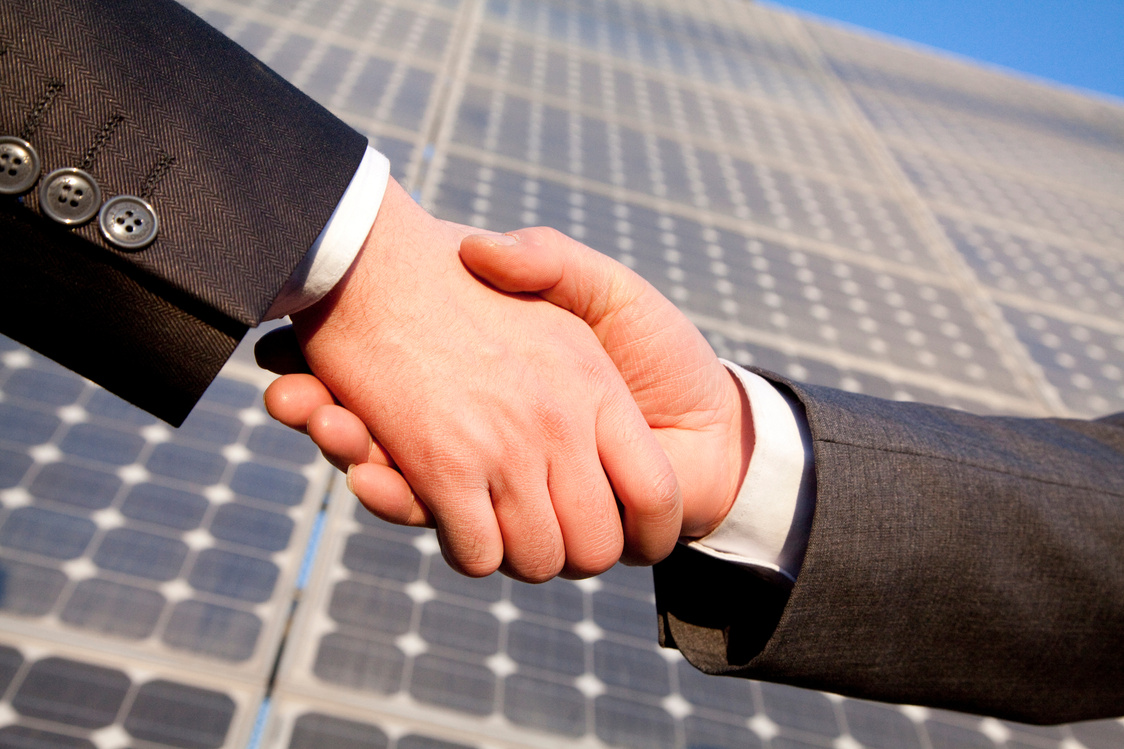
{"x": 504, "y": 239}
{"x": 350, "y": 488}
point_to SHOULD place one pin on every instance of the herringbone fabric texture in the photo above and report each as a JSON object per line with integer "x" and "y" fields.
{"x": 242, "y": 169}
{"x": 955, "y": 560}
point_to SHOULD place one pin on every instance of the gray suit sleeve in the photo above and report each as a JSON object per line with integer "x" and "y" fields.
{"x": 957, "y": 561}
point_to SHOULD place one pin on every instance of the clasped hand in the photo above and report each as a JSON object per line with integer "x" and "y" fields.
{"x": 552, "y": 414}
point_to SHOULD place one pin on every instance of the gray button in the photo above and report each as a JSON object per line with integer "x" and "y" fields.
{"x": 128, "y": 222}
{"x": 70, "y": 196}
{"x": 19, "y": 165}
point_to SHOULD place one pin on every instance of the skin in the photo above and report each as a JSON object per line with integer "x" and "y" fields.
{"x": 498, "y": 419}
{"x": 692, "y": 404}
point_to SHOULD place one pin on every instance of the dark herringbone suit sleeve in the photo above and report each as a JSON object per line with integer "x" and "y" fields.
{"x": 955, "y": 561}
{"x": 242, "y": 170}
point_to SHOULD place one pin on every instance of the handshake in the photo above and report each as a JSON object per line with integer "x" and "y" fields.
{"x": 541, "y": 406}
{"x": 549, "y": 413}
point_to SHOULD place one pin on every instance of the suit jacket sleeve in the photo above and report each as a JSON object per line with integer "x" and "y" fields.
{"x": 964, "y": 562}
{"x": 242, "y": 170}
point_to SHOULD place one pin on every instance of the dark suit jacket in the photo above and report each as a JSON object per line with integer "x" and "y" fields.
{"x": 955, "y": 561}
{"x": 242, "y": 169}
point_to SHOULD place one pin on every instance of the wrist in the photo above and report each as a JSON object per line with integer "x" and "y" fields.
{"x": 337, "y": 246}
{"x": 394, "y": 219}
{"x": 769, "y": 522}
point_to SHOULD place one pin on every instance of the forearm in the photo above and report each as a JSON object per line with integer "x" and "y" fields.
{"x": 955, "y": 561}
{"x": 215, "y": 143}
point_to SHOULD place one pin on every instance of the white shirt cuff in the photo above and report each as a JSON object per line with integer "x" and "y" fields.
{"x": 768, "y": 526}
{"x": 339, "y": 243}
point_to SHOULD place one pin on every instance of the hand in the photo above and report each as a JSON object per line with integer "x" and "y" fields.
{"x": 497, "y": 419}
{"x": 694, "y": 406}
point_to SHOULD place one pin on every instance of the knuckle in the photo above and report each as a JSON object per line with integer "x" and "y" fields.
{"x": 537, "y": 568}
{"x": 546, "y": 234}
{"x": 554, "y": 420}
{"x": 471, "y": 557}
{"x": 597, "y": 561}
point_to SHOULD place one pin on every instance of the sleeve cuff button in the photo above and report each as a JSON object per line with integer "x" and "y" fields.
{"x": 19, "y": 165}
{"x": 69, "y": 196}
{"x": 128, "y": 223}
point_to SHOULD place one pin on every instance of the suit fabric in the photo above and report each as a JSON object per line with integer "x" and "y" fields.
{"x": 957, "y": 561}
{"x": 954, "y": 561}
{"x": 242, "y": 169}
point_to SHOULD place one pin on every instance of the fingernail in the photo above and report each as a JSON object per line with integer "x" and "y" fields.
{"x": 505, "y": 239}
{"x": 350, "y": 488}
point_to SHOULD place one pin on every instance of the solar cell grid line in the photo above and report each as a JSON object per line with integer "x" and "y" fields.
{"x": 117, "y": 533}
{"x": 920, "y": 126}
{"x": 1020, "y": 201}
{"x": 376, "y": 65}
{"x": 497, "y": 84}
{"x": 884, "y": 62}
{"x": 1076, "y": 245}
{"x": 608, "y": 35}
{"x": 495, "y": 117}
{"x": 836, "y": 210}
{"x": 387, "y": 629}
{"x": 1090, "y": 174}
{"x": 598, "y": 56}
{"x": 1044, "y": 206}
{"x": 982, "y": 93}
{"x": 887, "y": 218}
{"x": 62, "y": 696}
{"x": 739, "y": 61}
{"x": 854, "y": 375}
{"x": 1067, "y": 281}
{"x": 1084, "y": 363}
{"x": 1027, "y": 376}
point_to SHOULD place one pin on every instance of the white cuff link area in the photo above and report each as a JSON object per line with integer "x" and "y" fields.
{"x": 339, "y": 242}
{"x": 768, "y": 526}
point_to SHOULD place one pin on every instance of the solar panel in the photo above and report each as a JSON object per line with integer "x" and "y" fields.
{"x": 839, "y": 208}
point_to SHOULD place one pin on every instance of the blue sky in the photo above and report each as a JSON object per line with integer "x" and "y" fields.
{"x": 1079, "y": 43}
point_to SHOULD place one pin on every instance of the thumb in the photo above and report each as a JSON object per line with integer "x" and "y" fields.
{"x": 559, "y": 269}
{"x": 517, "y": 263}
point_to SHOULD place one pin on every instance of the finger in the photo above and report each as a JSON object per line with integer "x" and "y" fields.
{"x": 292, "y": 398}
{"x": 582, "y": 501}
{"x": 597, "y": 289}
{"x": 278, "y": 352}
{"x": 642, "y": 477}
{"x": 386, "y": 495}
{"x": 511, "y": 264}
{"x": 533, "y": 546}
{"x": 343, "y": 438}
{"x": 588, "y": 518}
{"x": 561, "y": 270}
{"x": 476, "y": 554}
{"x": 459, "y": 499}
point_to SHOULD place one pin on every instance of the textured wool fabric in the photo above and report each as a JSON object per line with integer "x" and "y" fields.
{"x": 242, "y": 169}
{"x": 965, "y": 562}
{"x": 98, "y": 319}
